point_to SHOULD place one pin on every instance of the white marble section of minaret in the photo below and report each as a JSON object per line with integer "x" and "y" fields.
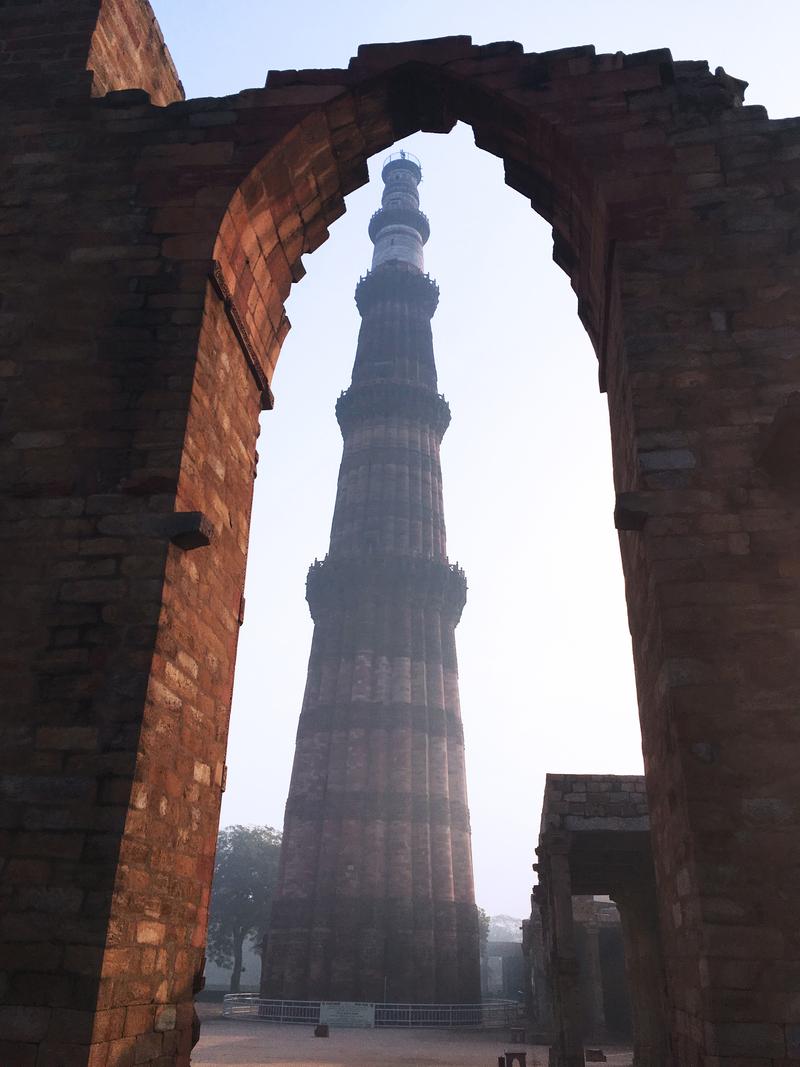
{"x": 396, "y": 241}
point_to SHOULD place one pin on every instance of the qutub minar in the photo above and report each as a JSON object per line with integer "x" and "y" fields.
{"x": 375, "y": 899}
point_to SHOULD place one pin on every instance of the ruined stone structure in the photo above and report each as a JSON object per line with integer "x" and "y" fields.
{"x": 375, "y": 896}
{"x": 538, "y": 997}
{"x": 595, "y": 839}
{"x": 603, "y": 986}
{"x": 148, "y": 245}
{"x": 503, "y": 971}
{"x": 599, "y": 964}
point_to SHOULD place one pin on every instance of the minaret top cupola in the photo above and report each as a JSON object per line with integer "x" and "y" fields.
{"x": 399, "y": 229}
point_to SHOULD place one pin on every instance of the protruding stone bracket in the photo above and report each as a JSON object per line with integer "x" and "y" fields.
{"x": 186, "y": 529}
{"x": 191, "y": 529}
{"x": 242, "y": 335}
{"x": 630, "y": 512}
{"x": 780, "y": 446}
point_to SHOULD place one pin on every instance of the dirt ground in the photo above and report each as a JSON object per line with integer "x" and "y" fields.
{"x": 249, "y": 1043}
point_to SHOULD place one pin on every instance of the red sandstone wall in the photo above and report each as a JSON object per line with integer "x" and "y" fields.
{"x": 59, "y": 48}
{"x": 160, "y": 905}
{"x": 45, "y": 46}
{"x": 128, "y": 52}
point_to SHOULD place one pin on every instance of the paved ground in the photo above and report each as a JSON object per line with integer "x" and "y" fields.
{"x": 239, "y": 1043}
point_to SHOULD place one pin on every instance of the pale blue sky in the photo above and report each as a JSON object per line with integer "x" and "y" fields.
{"x": 546, "y": 671}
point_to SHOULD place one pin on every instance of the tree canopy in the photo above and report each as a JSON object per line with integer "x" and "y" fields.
{"x": 484, "y": 922}
{"x": 245, "y": 876}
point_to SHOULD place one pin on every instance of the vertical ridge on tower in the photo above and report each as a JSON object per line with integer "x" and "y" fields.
{"x": 375, "y": 897}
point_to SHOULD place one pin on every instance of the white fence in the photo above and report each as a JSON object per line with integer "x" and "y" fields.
{"x": 492, "y": 1013}
{"x": 250, "y": 1006}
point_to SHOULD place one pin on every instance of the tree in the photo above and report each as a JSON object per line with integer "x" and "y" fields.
{"x": 245, "y": 876}
{"x": 484, "y": 922}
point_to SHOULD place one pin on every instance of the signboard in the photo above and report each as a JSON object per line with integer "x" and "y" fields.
{"x": 347, "y": 1013}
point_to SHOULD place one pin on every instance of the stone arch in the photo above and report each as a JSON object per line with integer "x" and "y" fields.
{"x": 672, "y": 208}
{"x": 635, "y": 196}
{"x": 540, "y": 161}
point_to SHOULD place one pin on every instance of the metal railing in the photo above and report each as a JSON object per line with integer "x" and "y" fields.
{"x": 490, "y": 1014}
{"x": 402, "y": 154}
{"x": 250, "y": 1006}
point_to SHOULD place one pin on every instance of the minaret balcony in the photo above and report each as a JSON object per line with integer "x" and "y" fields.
{"x": 399, "y": 216}
{"x": 381, "y": 400}
{"x": 397, "y": 280}
{"x": 334, "y": 583}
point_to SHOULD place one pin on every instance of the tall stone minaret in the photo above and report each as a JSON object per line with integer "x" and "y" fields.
{"x": 375, "y": 897}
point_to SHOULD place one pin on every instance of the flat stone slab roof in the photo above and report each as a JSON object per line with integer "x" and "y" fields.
{"x": 601, "y": 821}
{"x": 595, "y": 802}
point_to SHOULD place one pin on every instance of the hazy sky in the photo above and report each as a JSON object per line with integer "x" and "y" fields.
{"x": 544, "y": 650}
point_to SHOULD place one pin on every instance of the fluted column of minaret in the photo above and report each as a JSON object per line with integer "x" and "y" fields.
{"x": 375, "y": 896}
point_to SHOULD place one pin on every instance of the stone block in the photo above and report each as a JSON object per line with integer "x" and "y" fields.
{"x": 139, "y": 1019}
{"x": 166, "y": 1017}
{"x": 121, "y": 1052}
{"x": 756, "y": 1039}
{"x": 62, "y": 1054}
{"x": 18, "y": 1053}
{"x": 23, "y": 1024}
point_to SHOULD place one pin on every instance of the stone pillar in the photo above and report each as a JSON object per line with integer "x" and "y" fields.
{"x": 644, "y": 965}
{"x": 542, "y": 990}
{"x": 559, "y": 938}
{"x": 537, "y": 991}
{"x": 596, "y": 1012}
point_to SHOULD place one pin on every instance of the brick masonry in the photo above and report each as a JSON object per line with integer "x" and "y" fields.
{"x": 603, "y": 803}
{"x": 147, "y": 251}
